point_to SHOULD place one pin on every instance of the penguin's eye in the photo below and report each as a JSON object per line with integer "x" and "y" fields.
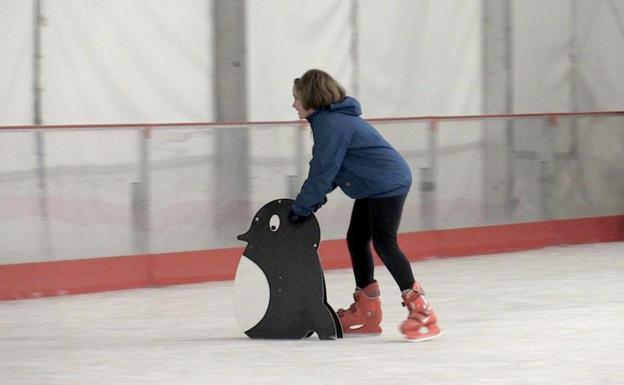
{"x": 274, "y": 222}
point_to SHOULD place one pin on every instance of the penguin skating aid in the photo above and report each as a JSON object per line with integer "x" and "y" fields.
{"x": 279, "y": 285}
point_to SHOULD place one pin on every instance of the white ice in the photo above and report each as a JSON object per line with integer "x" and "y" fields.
{"x": 550, "y": 316}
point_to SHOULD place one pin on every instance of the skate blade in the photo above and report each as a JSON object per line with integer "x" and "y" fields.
{"x": 362, "y": 330}
{"x": 422, "y": 339}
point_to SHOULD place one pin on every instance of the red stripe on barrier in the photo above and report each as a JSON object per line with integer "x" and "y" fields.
{"x": 40, "y": 279}
{"x": 44, "y": 279}
{"x": 495, "y": 239}
{"x": 591, "y": 230}
{"x": 194, "y": 266}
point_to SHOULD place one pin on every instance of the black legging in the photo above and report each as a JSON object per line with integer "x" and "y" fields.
{"x": 378, "y": 219}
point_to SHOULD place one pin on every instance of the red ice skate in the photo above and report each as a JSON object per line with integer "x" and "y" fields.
{"x": 421, "y": 323}
{"x": 364, "y": 315}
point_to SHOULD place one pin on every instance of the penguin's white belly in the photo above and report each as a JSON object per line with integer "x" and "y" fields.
{"x": 251, "y": 293}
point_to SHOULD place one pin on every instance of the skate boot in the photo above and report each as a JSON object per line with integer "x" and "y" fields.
{"x": 421, "y": 323}
{"x": 364, "y": 315}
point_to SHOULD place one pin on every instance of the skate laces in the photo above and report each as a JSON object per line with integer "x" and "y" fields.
{"x": 354, "y": 306}
{"x": 417, "y": 304}
{"x": 421, "y": 323}
{"x": 358, "y": 296}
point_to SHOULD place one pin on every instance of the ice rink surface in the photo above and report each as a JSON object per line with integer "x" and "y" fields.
{"x": 550, "y": 316}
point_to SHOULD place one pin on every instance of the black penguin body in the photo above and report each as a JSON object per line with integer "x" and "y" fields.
{"x": 287, "y": 254}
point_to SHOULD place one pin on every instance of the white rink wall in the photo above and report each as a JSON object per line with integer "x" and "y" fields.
{"x": 105, "y": 195}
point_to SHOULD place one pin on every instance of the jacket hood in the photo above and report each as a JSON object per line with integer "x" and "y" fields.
{"x": 348, "y": 106}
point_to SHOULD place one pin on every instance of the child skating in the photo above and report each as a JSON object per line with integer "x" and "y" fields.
{"x": 351, "y": 154}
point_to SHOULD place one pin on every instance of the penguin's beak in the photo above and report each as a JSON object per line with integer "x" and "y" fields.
{"x": 243, "y": 237}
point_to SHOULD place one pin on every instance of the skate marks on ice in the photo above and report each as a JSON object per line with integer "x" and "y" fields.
{"x": 551, "y": 316}
{"x": 279, "y": 286}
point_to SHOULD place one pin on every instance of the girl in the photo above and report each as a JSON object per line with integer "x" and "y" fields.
{"x": 351, "y": 154}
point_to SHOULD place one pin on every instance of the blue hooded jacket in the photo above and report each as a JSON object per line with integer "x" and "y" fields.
{"x": 350, "y": 153}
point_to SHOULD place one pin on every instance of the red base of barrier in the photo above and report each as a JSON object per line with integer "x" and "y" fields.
{"x": 41, "y": 279}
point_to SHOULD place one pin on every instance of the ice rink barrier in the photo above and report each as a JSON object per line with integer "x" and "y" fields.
{"x": 87, "y": 208}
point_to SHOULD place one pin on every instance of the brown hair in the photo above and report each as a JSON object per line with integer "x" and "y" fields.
{"x": 317, "y": 89}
